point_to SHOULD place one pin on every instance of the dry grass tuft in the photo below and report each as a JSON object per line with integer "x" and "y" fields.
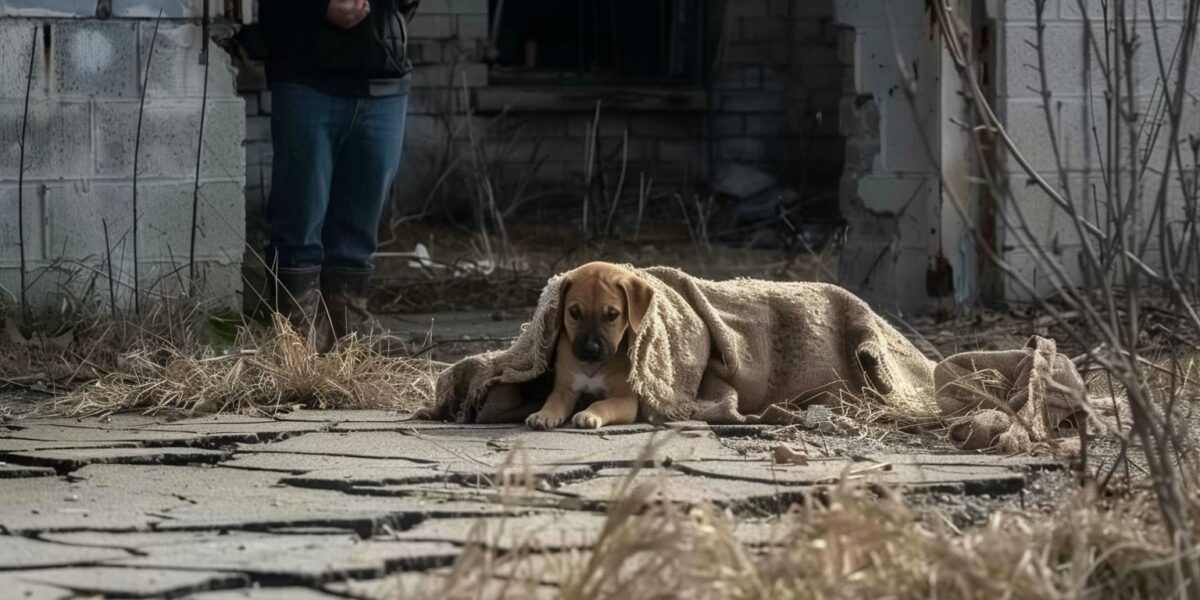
{"x": 851, "y": 542}
{"x": 264, "y": 373}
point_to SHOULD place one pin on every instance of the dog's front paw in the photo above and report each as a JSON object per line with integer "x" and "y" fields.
{"x": 587, "y": 420}
{"x": 544, "y": 419}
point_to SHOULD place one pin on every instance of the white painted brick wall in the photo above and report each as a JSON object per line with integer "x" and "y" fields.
{"x": 79, "y": 153}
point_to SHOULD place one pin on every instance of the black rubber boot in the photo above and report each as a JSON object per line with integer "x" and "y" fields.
{"x": 345, "y": 293}
{"x": 296, "y": 295}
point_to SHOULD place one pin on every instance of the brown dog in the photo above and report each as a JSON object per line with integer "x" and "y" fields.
{"x": 601, "y": 308}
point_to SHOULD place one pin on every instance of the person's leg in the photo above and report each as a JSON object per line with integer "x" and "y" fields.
{"x": 366, "y": 163}
{"x": 305, "y": 126}
{"x": 365, "y": 166}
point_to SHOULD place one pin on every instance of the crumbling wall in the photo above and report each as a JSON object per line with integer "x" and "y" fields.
{"x": 890, "y": 189}
{"x": 80, "y": 138}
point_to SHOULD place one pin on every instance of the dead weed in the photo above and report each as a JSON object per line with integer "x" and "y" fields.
{"x": 851, "y": 542}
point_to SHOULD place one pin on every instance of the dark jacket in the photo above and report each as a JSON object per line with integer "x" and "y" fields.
{"x": 304, "y": 47}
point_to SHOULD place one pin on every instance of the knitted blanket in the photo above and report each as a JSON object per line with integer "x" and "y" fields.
{"x": 750, "y": 351}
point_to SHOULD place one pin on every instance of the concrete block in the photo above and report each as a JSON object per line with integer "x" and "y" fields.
{"x": 751, "y": 102}
{"x": 175, "y": 70}
{"x": 10, "y": 234}
{"x": 439, "y": 76}
{"x": 1026, "y": 124}
{"x": 422, "y": 129}
{"x": 42, "y": 8}
{"x": 728, "y": 126}
{"x": 251, "y": 100}
{"x": 435, "y": 7}
{"x": 45, "y": 284}
{"x": 807, "y": 31}
{"x": 473, "y": 26}
{"x": 58, "y": 140}
{"x": 742, "y": 149}
{"x": 1026, "y": 10}
{"x": 764, "y": 29}
{"x": 1063, "y": 53}
{"x": 258, "y": 153}
{"x": 729, "y": 78}
{"x": 171, "y": 9}
{"x": 170, "y": 129}
{"x": 748, "y": 8}
{"x": 463, "y": 49}
{"x": 864, "y": 13}
{"x": 1034, "y": 271}
{"x": 94, "y": 58}
{"x": 422, "y": 52}
{"x": 1136, "y": 11}
{"x": 1078, "y": 126}
{"x": 542, "y": 126}
{"x": 767, "y": 125}
{"x": 1049, "y": 224}
{"x": 817, "y": 55}
{"x": 680, "y": 151}
{"x": 753, "y": 76}
{"x": 16, "y": 42}
{"x": 1147, "y": 74}
{"x": 656, "y": 126}
{"x": 756, "y": 53}
{"x": 468, "y": 7}
{"x": 264, "y": 102}
{"x": 75, "y": 215}
{"x": 258, "y": 128}
{"x": 432, "y": 26}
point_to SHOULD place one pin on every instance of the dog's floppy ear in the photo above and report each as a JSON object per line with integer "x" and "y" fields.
{"x": 564, "y": 284}
{"x": 638, "y": 294}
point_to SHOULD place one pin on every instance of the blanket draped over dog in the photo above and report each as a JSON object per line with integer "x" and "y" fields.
{"x": 750, "y": 351}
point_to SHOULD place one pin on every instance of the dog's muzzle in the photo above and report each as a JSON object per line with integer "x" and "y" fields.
{"x": 590, "y": 347}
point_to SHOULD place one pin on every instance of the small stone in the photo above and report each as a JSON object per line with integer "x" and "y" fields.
{"x": 785, "y": 455}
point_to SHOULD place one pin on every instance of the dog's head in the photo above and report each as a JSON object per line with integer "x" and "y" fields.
{"x": 600, "y": 302}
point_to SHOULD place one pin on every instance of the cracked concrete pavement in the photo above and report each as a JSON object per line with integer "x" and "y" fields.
{"x": 363, "y": 504}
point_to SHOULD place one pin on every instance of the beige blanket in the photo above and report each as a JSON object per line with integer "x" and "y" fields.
{"x": 749, "y": 351}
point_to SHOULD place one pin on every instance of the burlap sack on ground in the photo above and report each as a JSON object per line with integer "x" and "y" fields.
{"x": 750, "y": 351}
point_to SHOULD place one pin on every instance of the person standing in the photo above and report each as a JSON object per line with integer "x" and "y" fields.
{"x": 339, "y": 80}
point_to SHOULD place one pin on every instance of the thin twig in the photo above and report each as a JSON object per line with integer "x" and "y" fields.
{"x": 207, "y": 60}
{"x": 21, "y": 177}
{"x": 137, "y": 146}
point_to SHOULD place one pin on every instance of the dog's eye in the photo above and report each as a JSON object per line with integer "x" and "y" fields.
{"x": 574, "y": 312}
{"x": 611, "y": 314}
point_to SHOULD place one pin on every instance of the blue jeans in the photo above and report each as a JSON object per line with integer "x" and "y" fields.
{"x": 334, "y": 161}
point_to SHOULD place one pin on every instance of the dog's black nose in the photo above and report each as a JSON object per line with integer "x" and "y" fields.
{"x": 590, "y": 350}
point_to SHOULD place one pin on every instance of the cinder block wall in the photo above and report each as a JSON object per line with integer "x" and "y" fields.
{"x": 776, "y": 69}
{"x": 80, "y": 143}
{"x": 1080, "y": 127}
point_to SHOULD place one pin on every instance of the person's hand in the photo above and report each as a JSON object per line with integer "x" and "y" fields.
{"x": 347, "y": 13}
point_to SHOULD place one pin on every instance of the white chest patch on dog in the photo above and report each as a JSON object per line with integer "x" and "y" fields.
{"x": 588, "y": 384}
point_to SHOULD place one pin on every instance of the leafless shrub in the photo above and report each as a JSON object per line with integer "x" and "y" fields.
{"x": 1135, "y": 261}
